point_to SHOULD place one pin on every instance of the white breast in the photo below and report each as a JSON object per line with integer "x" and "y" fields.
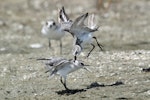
{"x": 52, "y": 34}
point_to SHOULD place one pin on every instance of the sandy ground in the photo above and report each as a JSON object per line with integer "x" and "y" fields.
{"x": 116, "y": 74}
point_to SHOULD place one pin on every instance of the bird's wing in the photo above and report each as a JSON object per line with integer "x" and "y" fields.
{"x": 78, "y": 32}
{"x": 92, "y": 22}
{"x": 87, "y": 29}
{"x": 78, "y": 27}
{"x": 79, "y": 21}
{"x": 63, "y": 16}
{"x": 54, "y": 61}
{"x": 59, "y": 66}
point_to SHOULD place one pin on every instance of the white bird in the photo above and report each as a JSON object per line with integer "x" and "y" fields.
{"x": 82, "y": 34}
{"x": 55, "y": 31}
{"x": 62, "y": 67}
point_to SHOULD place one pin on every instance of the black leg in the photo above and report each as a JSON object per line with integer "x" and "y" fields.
{"x": 99, "y": 45}
{"x": 91, "y": 50}
{"x": 75, "y": 58}
{"x": 49, "y": 43}
{"x": 61, "y": 80}
{"x": 64, "y": 83}
{"x": 60, "y": 46}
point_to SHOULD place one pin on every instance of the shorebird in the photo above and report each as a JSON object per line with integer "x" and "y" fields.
{"x": 55, "y": 31}
{"x": 82, "y": 34}
{"x": 62, "y": 67}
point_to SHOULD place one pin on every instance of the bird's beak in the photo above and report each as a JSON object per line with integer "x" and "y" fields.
{"x": 87, "y": 69}
{"x": 86, "y": 65}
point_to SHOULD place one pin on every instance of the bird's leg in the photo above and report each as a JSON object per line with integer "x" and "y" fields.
{"x": 49, "y": 43}
{"x": 60, "y": 46}
{"x": 61, "y": 80}
{"x": 99, "y": 45}
{"x": 75, "y": 58}
{"x": 64, "y": 83}
{"x": 91, "y": 50}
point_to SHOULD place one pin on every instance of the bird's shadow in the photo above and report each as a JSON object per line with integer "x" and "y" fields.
{"x": 70, "y": 91}
{"x": 92, "y": 85}
{"x": 96, "y": 84}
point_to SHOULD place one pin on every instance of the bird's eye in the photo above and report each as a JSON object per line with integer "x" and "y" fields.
{"x": 82, "y": 64}
{"x": 54, "y": 23}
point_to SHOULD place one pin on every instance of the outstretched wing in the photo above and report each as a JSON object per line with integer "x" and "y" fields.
{"x": 90, "y": 29}
{"x": 79, "y": 21}
{"x": 92, "y": 22}
{"x": 52, "y": 62}
{"x": 63, "y": 16}
{"x": 59, "y": 66}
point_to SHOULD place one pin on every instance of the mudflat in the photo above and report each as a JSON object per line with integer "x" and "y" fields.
{"x": 121, "y": 72}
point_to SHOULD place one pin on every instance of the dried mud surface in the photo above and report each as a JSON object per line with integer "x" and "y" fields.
{"x": 118, "y": 73}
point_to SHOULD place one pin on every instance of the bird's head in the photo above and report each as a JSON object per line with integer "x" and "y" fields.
{"x": 50, "y": 24}
{"x": 81, "y": 64}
